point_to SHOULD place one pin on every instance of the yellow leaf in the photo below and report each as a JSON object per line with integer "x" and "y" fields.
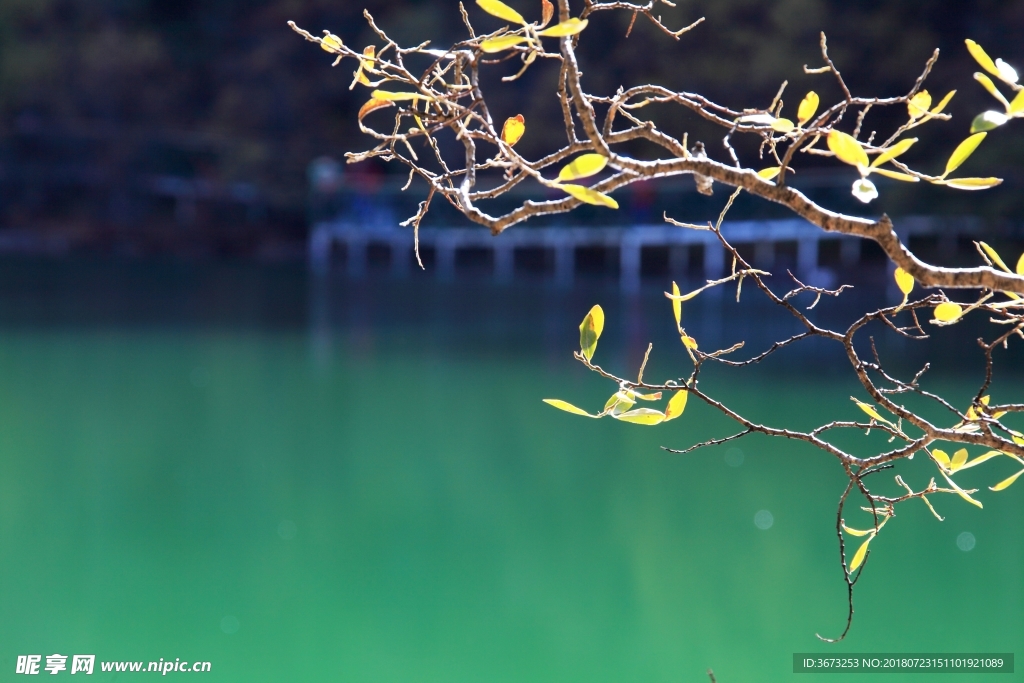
{"x": 368, "y": 61}
{"x": 904, "y": 280}
{"x": 987, "y": 83}
{"x": 782, "y": 125}
{"x": 396, "y": 96}
{"x": 847, "y": 149}
{"x": 683, "y": 297}
{"x": 896, "y": 175}
{"x": 960, "y": 492}
{"x": 590, "y": 331}
{"x": 941, "y": 457}
{"x": 808, "y": 107}
{"x": 676, "y": 405}
{"x": 589, "y": 196}
{"x": 501, "y": 10}
{"x": 858, "y": 557}
{"x": 567, "y": 407}
{"x": 372, "y": 105}
{"x": 958, "y": 460}
{"x": 583, "y": 166}
{"x": 893, "y": 152}
{"x": 677, "y": 305}
{"x": 688, "y": 341}
{"x": 871, "y": 412}
{"x": 547, "y": 11}
{"x": 942, "y": 104}
{"x": 1005, "y": 483}
{"x": 642, "y": 416}
{"x": 513, "y": 129}
{"x": 963, "y": 150}
{"x": 971, "y": 183}
{"x": 1020, "y": 265}
{"x": 994, "y": 256}
{"x": 980, "y": 459}
{"x": 331, "y": 43}
{"x": 649, "y": 397}
{"x": 769, "y": 173}
{"x": 857, "y": 532}
{"x": 1017, "y": 105}
{"x": 982, "y": 57}
{"x": 569, "y": 27}
{"x": 919, "y": 104}
{"x": 492, "y": 45}
{"x": 948, "y": 311}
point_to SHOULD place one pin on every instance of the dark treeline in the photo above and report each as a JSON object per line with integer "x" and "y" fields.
{"x": 223, "y": 91}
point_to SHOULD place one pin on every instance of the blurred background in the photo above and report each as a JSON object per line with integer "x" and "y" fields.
{"x": 224, "y": 440}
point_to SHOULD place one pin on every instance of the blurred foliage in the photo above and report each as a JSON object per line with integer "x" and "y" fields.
{"x": 230, "y": 76}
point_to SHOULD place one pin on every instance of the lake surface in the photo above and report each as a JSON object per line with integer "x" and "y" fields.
{"x": 359, "y": 482}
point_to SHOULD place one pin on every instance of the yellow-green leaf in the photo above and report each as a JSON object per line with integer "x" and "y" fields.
{"x": 919, "y": 104}
{"x": 896, "y": 175}
{"x": 569, "y": 27}
{"x": 676, "y": 405}
{"x": 1017, "y": 105}
{"x": 501, "y": 10}
{"x": 948, "y": 311}
{"x": 1020, "y": 265}
{"x": 847, "y": 149}
{"x": 590, "y": 331}
{"x": 492, "y": 45}
{"x": 963, "y": 150}
{"x": 941, "y": 457}
{"x": 871, "y": 412}
{"x": 892, "y": 152}
{"x": 988, "y": 120}
{"x": 981, "y": 57}
{"x": 589, "y": 196}
{"x": 980, "y": 459}
{"x": 331, "y": 43}
{"x": 904, "y": 280}
{"x": 567, "y": 407}
{"x": 619, "y": 402}
{"x": 642, "y": 416}
{"x": 677, "y": 305}
{"x": 958, "y": 460}
{"x": 1005, "y": 483}
{"x": 987, "y": 83}
{"x": 783, "y": 125}
{"x": 942, "y": 104}
{"x": 583, "y": 166}
{"x": 971, "y": 183}
{"x": 769, "y": 173}
{"x": 513, "y": 129}
{"x": 808, "y": 107}
{"x": 862, "y": 551}
{"x": 857, "y": 532}
{"x": 992, "y": 254}
{"x": 960, "y": 492}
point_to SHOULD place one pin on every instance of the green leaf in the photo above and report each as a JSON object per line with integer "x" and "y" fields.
{"x": 948, "y": 312}
{"x": 988, "y": 120}
{"x": 589, "y": 196}
{"x": 567, "y": 407}
{"x": 862, "y": 552}
{"x": 992, "y": 254}
{"x": 583, "y": 166}
{"x": 492, "y": 45}
{"x": 1005, "y": 483}
{"x": 847, "y": 149}
{"x": 590, "y": 331}
{"x": 971, "y": 183}
{"x": 892, "y": 152}
{"x": 569, "y": 27}
{"x": 618, "y": 402}
{"x": 501, "y": 10}
{"x": 987, "y": 83}
{"x": 958, "y": 460}
{"x": 676, "y": 405}
{"x": 963, "y": 150}
{"x": 642, "y": 416}
{"x": 941, "y": 457}
{"x": 904, "y": 280}
{"x": 808, "y": 107}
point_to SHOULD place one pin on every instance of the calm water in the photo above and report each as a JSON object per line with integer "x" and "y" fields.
{"x": 363, "y": 485}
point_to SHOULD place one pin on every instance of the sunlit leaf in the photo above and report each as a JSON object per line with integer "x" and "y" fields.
{"x": 858, "y": 532}
{"x": 862, "y": 552}
{"x": 769, "y": 173}
{"x": 864, "y": 190}
{"x": 988, "y": 120}
{"x": 904, "y": 280}
{"x": 677, "y": 305}
{"x": 1017, "y": 105}
{"x": 942, "y": 104}
{"x": 896, "y": 175}
{"x": 982, "y": 57}
{"x": 501, "y": 10}
{"x": 590, "y": 331}
{"x": 893, "y": 152}
{"x": 569, "y": 27}
{"x": 676, "y": 405}
{"x": 589, "y": 196}
{"x": 941, "y": 457}
{"x": 987, "y": 83}
{"x": 331, "y": 43}
{"x": 688, "y": 341}
{"x": 992, "y": 254}
{"x": 1020, "y": 265}
{"x": 847, "y": 149}
{"x": 683, "y": 297}
{"x": 547, "y": 11}
{"x": 757, "y": 119}
{"x": 1006, "y": 72}
{"x": 492, "y": 45}
{"x": 372, "y": 105}
{"x": 1005, "y": 483}
{"x": 513, "y": 129}
{"x": 583, "y": 166}
{"x": 960, "y": 492}
{"x": 919, "y": 104}
{"x": 567, "y": 407}
{"x": 783, "y": 125}
{"x": 642, "y": 416}
{"x": 648, "y": 397}
{"x": 397, "y": 96}
{"x": 808, "y": 107}
{"x": 971, "y": 183}
{"x": 958, "y": 460}
{"x": 980, "y": 459}
{"x": 619, "y": 402}
{"x": 948, "y": 311}
{"x": 870, "y": 410}
{"x": 963, "y": 150}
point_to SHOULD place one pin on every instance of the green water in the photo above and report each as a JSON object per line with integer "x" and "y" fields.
{"x": 380, "y": 503}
